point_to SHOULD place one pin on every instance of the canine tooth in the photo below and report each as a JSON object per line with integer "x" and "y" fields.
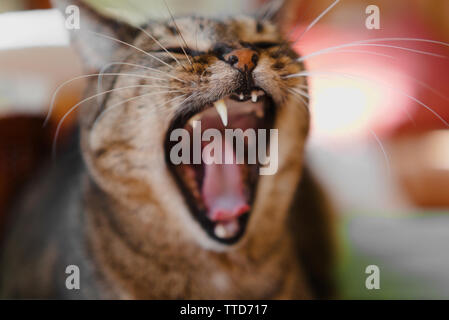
{"x": 241, "y": 96}
{"x": 253, "y": 96}
{"x": 222, "y": 111}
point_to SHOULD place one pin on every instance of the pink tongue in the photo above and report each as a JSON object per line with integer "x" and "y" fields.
{"x": 223, "y": 188}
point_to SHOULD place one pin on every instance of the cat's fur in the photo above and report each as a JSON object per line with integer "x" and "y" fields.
{"x": 118, "y": 213}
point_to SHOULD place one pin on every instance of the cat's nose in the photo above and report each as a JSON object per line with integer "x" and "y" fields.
{"x": 244, "y": 59}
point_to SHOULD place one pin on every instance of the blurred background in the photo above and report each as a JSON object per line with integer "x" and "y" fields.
{"x": 379, "y": 139}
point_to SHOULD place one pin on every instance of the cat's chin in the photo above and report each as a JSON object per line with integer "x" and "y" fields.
{"x": 220, "y": 187}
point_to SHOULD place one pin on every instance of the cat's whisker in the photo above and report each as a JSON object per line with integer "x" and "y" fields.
{"x": 147, "y": 68}
{"x": 300, "y": 92}
{"x": 100, "y": 78}
{"x": 384, "y": 152}
{"x": 270, "y": 9}
{"x": 196, "y": 37}
{"x": 421, "y": 83}
{"x": 163, "y": 47}
{"x": 73, "y": 108}
{"x": 53, "y": 99}
{"x": 132, "y": 46}
{"x": 106, "y": 66}
{"x": 349, "y": 45}
{"x": 300, "y": 95}
{"x": 194, "y": 95}
{"x": 321, "y": 73}
{"x": 179, "y": 33}
{"x": 362, "y": 51}
{"x": 427, "y": 86}
{"x": 316, "y": 20}
{"x": 263, "y": 10}
{"x": 351, "y": 76}
{"x": 110, "y": 108}
{"x": 403, "y": 39}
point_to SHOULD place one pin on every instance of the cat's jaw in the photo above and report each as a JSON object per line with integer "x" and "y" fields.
{"x": 219, "y": 185}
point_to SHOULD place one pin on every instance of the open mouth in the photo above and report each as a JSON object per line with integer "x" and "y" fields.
{"x": 220, "y": 189}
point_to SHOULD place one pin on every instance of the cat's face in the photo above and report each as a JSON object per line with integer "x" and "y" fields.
{"x": 126, "y": 139}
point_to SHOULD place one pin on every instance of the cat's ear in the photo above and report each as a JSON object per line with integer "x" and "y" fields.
{"x": 281, "y": 12}
{"x": 85, "y": 25}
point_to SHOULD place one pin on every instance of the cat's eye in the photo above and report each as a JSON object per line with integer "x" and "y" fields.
{"x": 182, "y": 51}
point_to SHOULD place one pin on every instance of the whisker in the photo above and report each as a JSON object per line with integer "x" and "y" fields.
{"x": 286, "y": 42}
{"x": 263, "y": 10}
{"x": 299, "y": 96}
{"x": 361, "y": 51}
{"x": 103, "y": 113}
{"x": 352, "y": 44}
{"x": 307, "y": 74}
{"x": 196, "y": 37}
{"x": 270, "y": 8}
{"x": 321, "y": 73}
{"x": 427, "y": 86}
{"x": 103, "y": 69}
{"x": 316, "y": 20}
{"x": 100, "y": 78}
{"x": 73, "y": 108}
{"x": 403, "y": 39}
{"x": 132, "y": 46}
{"x": 179, "y": 33}
{"x": 384, "y": 152}
{"x": 144, "y": 67}
{"x": 50, "y": 110}
{"x": 301, "y": 92}
{"x": 419, "y": 82}
{"x": 194, "y": 95}
{"x": 160, "y": 45}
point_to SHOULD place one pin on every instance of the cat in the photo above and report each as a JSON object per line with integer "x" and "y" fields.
{"x": 136, "y": 225}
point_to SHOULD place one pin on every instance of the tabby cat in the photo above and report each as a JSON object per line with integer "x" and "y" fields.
{"x": 139, "y": 226}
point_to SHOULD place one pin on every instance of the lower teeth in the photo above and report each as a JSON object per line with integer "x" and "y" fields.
{"x": 225, "y": 230}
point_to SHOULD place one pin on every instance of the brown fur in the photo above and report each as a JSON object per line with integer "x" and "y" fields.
{"x": 140, "y": 234}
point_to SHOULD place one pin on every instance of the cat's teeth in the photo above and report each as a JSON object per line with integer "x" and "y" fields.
{"x": 222, "y": 111}
{"x": 220, "y": 231}
{"x": 224, "y": 230}
{"x": 254, "y": 96}
{"x": 241, "y": 96}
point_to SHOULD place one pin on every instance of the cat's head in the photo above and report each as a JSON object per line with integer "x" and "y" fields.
{"x": 160, "y": 78}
